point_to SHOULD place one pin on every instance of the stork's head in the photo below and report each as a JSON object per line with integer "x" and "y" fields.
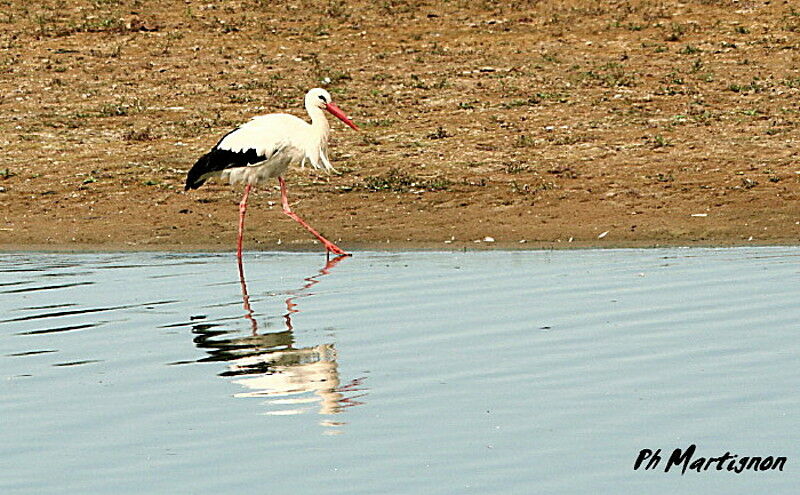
{"x": 319, "y": 98}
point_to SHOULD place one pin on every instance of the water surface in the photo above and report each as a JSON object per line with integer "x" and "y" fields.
{"x": 490, "y": 372}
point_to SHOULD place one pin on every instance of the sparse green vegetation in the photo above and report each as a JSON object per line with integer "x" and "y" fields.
{"x": 377, "y": 123}
{"x": 396, "y": 180}
{"x": 660, "y": 141}
{"x": 755, "y": 86}
{"x": 524, "y": 141}
{"x": 439, "y": 133}
{"x": 370, "y": 139}
{"x": 662, "y": 177}
{"x": 676, "y": 32}
{"x": 515, "y": 167}
{"x": 609, "y": 75}
{"x": 564, "y": 171}
{"x": 632, "y": 100}
{"x": 143, "y": 134}
{"x": 690, "y": 50}
{"x": 526, "y": 188}
{"x": 748, "y": 183}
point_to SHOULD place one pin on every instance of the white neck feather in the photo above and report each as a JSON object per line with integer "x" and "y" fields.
{"x": 317, "y": 140}
{"x": 319, "y": 124}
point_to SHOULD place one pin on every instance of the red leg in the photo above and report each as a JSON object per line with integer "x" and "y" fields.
{"x": 331, "y": 247}
{"x": 242, "y": 210}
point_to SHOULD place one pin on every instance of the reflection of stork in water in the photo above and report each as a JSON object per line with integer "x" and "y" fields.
{"x": 269, "y": 366}
{"x": 290, "y": 304}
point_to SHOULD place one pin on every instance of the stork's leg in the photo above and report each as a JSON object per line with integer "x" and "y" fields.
{"x": 331, "y": 247}
{"x": 242, "y": 211}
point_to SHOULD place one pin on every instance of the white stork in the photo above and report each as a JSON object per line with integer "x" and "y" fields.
{"x": 263, "y": 149}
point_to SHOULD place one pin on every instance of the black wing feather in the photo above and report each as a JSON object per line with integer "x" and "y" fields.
{"x": 218, "y": 160}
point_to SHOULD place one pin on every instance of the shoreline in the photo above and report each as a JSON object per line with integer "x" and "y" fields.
{"x": 392, "y": 247}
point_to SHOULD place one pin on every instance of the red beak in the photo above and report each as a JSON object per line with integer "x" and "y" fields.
{"x": 339, "y": 114}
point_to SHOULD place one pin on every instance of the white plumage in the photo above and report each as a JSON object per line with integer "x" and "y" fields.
{"x": 266, "y": 146}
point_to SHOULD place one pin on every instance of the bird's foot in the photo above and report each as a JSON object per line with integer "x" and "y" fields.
{"x": 333, "y": 248}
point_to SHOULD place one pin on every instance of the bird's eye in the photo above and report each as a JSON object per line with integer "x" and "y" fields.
{"x": 322, "y": 97}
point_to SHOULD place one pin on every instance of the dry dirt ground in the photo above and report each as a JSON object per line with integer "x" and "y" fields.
{"x": 534, "y": 123}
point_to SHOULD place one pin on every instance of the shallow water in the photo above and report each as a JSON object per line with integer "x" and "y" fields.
{"x": 490, "y": 372}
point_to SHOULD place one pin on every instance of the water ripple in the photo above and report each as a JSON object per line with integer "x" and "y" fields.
{"x": 77, "y": 363}
{"x": 31, "y": 353}
{"x": 500, "y": 370}
{"x": 57, "y": 314}
{"x": 60, "y": 329}
{"x": 45, "y": 287}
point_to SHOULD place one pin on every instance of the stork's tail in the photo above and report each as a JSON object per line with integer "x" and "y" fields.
{"x": 199, "y": 172}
